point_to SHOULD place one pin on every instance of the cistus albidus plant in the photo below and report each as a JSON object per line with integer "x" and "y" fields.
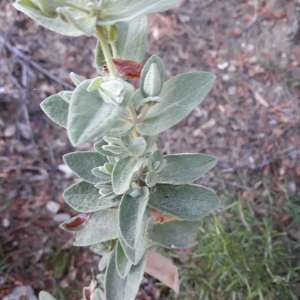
{"x": 130, "y": 196}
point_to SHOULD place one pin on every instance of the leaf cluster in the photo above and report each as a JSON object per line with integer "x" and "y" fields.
{"x": 130, "y": 195}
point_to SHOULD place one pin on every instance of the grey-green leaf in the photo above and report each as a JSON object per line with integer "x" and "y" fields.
{"x": 187, "y": 202}
{"x": 56, "y": 109}
{"x": 104, "y": 261}
{"x": 84, "y": 197}
{"x": 134, "y": 227}
{"x": 152, "y": 77}
{"x": 180, "y": 95}
{"x": 45, "y": 296}
{"x": 102, "y": 226}
{"x": 127, "y": 10}
{"x": 52, "y": 23}
{"x": 98, "y": 147}
{"x": 122, "y": 262}
{"x": 132, "y": 40}
{"x": 82, "y": 163}
{"x": 185, "y": 168}
{"x": 137, "y": 146}
{"x": 176, "y": 234}
{"x": 90, "y": 116}
{"x": 77, "y": 79}
{"x": 125, "y": 171}
{"x": 119, "y": 128}
{"x": 117, "y": 288}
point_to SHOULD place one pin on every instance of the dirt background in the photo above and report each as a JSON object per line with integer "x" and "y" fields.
{"x": 250, "y": 121}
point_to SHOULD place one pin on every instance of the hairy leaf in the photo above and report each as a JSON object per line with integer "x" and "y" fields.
{"x": 45, "y": 296}
{"x": 124, "y": 173}
{"x": 153, "y": 74}
{"x": 132, "y": 39}
{"x": 102, "y": 226}
{"x": 98, "y": 147}
{"x": 128, "y": 10}
{"x": 187, "y": 202}
{"x": 137, "y": 146}
{"x": 134, "y": 227}
{"x": 56, "y": 109}
{"x": 119, "y": 128}
{"x": 180, "y": 95}
{"x": 176, "y": 234}
{"x": 90, "y": 116}
{"x": 84, "y": 197}
{"x": 82, "y": 163}
{"x": 185, "y": 168}
{"x": 117, "y": 288}
{"x": 122, "y": 262}
{"x": 133, "y": 254}
{"x": 53, "y": 23}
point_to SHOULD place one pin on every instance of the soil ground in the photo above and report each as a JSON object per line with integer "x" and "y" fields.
{"x": 250, "y": 120}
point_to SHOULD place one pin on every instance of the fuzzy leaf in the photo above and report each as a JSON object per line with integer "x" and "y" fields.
{"x": 117, "y": 288}
{"x": 81, "y": 21}
{"x": 122, "y": 262}
{"x": 152, "y": 77}
{"x": 84, "y": 197}
{"x": 102, "y": 226}
{"x": 176, "y": 234}
{"x": 77, "y": 79}
{"x": 53, "y": 23}
{"x": 187, "y": 202}
{"x": 127, "y": 10}
{"x": 90, "y": 116}
{"x": 133, "y": 255}
{"x": 180, "y": 95}
{"x": 185, "y": 168}
{"x": 56, "y": 109}
{"x": 98, "y": 148}
{"x": 104, "y": 261}
{"x": 132, "y": 40}
{"x": 119, "y": 128}
{"x": 82, "y": 163}
{"x": 137, "y": 146}
{"x": 124, "y": 173}
{"x": 45, "y": 296}
{"x": 134, "y": 227}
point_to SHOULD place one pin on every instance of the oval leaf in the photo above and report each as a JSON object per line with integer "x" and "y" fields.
{"x": 127, "y": 10}
{"x": 180, "y": 95}
{"x": 56, "y": 109}
{"x": 185, "y": 168}
{"x": 84, "y": 197}
{"x": 122, "y": 262}
{"x": 187, "y": 202}
{"x": 90, "y": 116}
{"x": 124, "y": 173}
{"x": 102, "y": 226}
{"x": 82, "y": 163}
{"x": 55, "y": 24}
{"x": 134, "y": 225}
{"x": 153, "y": 67}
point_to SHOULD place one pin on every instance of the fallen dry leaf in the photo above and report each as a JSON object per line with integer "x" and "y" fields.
{"x": 88, "y": 291}
{"x": 162, "y": 269}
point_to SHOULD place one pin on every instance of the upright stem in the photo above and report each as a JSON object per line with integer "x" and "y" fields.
{"x": 106, "y": 51}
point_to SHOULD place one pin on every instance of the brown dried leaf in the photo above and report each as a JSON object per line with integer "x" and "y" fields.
{"x": 88, "y": 291}
{"x": 162, "y": 269}
{"x": 127, "y": 68}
